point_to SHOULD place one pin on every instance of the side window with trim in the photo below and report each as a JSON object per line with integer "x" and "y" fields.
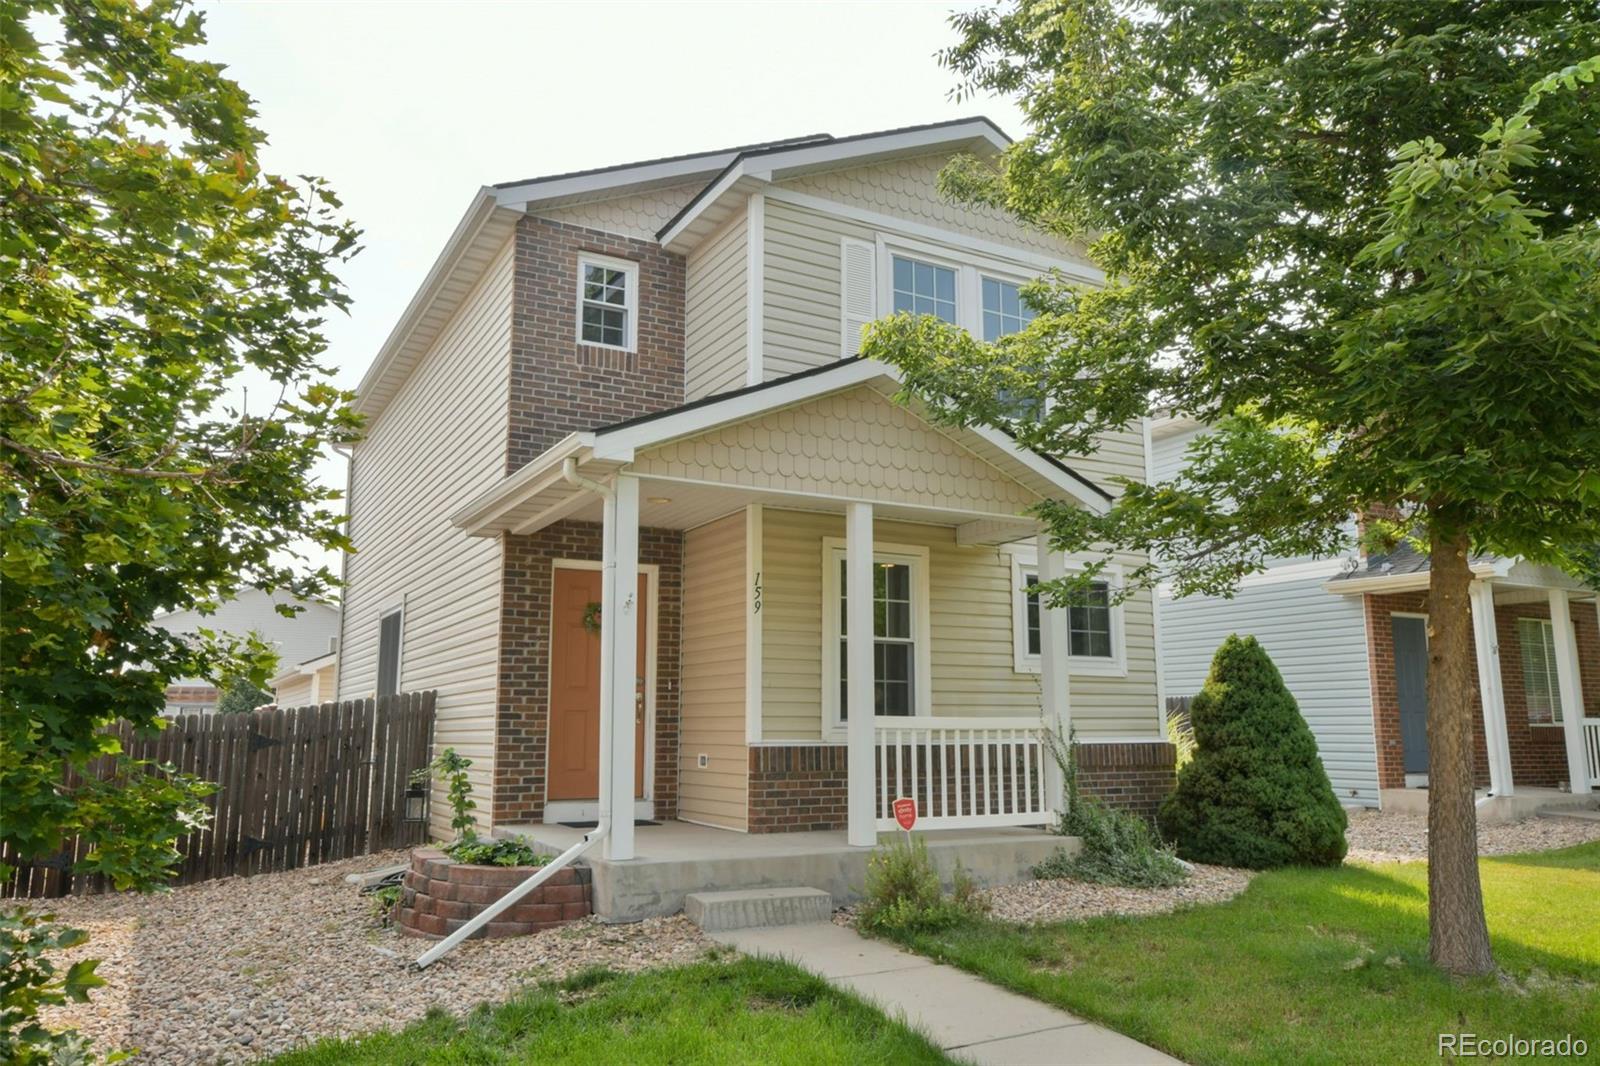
{"x": 390, "y": 635}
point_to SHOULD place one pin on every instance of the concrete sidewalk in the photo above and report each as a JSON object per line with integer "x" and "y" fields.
{"x": 968, "y": 1017}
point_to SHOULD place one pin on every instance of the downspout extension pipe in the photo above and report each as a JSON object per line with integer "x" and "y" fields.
{"x": 569, "y": 473}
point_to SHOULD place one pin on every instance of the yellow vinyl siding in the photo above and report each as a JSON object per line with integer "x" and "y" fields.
{"x": 296, "y": 692}
{"x": 637, "y": 215}
{"x": 441, "y": 440}
{"x": 856, "y": 443}
{"x": 715, "y": 313}
{"x": 800, "y": 275}
{"x": 908, "y": 189}
{"x": 712, "y": 720}
{"x": 973, "y": 664}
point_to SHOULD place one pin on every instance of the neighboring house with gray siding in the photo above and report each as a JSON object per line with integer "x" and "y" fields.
{"x": 623, "y": 463}
{"x": 312, "y": 633}
{"x": 1349, "y": 636}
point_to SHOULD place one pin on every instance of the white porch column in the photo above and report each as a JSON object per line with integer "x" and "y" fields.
{"x": 1571, "y": 683}
{"x": 859, "y": 730}
{"x": 620, "y": 617}
{"x": 1054, "y": 677}
{"x": 1491, "y": 694}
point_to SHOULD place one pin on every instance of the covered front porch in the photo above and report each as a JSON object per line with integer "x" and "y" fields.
{"x": 1537, "y": 673}
{"x": 674, "y": 859}
{"x": 837, "y": 552}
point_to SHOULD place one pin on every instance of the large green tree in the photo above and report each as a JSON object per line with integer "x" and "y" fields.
{"x": 148, "y": 268}
{"x": 1320, "y": 238}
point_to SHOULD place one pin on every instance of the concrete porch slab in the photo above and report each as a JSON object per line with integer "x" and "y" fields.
{"x": 1492, "y": 810}
{"x": 676, "y": 858}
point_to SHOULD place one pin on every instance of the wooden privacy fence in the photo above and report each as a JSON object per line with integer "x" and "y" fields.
{"x": 295, "y": 786}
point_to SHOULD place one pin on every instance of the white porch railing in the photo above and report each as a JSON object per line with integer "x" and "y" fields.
{"x": 1591, "y": 746}
{"x": 963, "y": 772}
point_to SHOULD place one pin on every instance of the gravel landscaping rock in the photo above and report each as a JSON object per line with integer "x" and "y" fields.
{"x": 243, "y": 968}
{"x": 1065, "y": 900}
{"x": 1378, "y": 837}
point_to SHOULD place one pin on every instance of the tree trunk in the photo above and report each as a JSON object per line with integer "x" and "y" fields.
{"x": 1458, "y": 936}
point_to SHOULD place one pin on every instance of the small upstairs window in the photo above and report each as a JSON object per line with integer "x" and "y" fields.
{"x": 608, "y": 302}
{"x": 390, "y": 638}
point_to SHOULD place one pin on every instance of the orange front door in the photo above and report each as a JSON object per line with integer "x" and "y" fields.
{"x": 575, "y": 688}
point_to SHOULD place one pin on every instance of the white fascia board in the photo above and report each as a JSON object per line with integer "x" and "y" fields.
{"x": 1067, "y": 483}
{"x": 776, "y": 166}
{"x": 541, "y": 190}
{"x": 765, "y": 167}
{"x": 482, "y": 208}
{"x": 504, "y": 495}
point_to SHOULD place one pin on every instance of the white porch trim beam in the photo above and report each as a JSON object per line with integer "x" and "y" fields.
{"x": 984, "y": 531}
{"x": 859, "y": 732}
{"x": 574, "y": 502}
{"x": 1054, "y": 676}
{"x": 1491, "y": 693}
{"x": 620, "y": 618}
{"x": 1570, "y": 680}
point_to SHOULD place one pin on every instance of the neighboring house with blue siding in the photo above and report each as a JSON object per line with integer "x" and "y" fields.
{"x": 1349, "y": 636}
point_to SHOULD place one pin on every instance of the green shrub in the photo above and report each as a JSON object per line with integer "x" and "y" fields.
{"x": 903, "y": 892}
{"x": 29, "y": 982}
{"x": 1256, "y": 794}
{"x": 240, "y": 695}
{"x": 1119, "y": 847}
{"x": 495, "y": 853}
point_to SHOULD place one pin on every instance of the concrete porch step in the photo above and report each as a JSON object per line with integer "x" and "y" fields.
{"x": 1576, "y": 814}
{"x": 757, "y": 907}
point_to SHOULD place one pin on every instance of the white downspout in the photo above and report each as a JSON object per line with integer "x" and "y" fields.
{"x": 569, "y": 473}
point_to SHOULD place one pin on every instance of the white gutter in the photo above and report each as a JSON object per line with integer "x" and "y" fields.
{"x": 569, "y": 473}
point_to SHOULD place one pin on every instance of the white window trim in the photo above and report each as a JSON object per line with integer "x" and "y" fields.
{"x": 1025, "y": 561}
{"x": 630, "y": 271}
{"x": 399, "y": 651}
{"x": 833, "y": 549}
{"x": 970, "y": 272}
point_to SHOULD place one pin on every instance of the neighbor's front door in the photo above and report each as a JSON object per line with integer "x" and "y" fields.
{"x": 575, "y": 687}
{"x": 1411, "y": 688}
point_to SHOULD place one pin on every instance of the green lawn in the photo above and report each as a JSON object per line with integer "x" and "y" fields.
{"x": 743, "y": 1011}
{"x": 1316, "y": 966}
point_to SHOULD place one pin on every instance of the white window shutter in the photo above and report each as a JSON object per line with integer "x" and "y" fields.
{"x": 858, "y": 292}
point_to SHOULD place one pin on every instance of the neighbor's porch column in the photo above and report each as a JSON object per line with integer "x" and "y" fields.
{"x": 1487, "y": 642}
{"x": 1054, "y": 678}
{"x": 1571, "y": 683}
{"x": 859, "y": 729}
{"x": 619, "y": 660}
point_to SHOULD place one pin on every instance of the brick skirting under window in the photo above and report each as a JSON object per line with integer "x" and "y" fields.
{"x": 1133, "y": 776}
{"x": 798, "y": 787}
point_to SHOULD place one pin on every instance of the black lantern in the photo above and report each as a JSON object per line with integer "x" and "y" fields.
{"x": 417, "y": 802}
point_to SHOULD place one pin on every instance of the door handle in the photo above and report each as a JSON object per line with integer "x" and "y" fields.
{"x": 638, "y": 701}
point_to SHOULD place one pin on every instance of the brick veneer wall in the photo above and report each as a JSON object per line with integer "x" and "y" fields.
{"x": 440, "y": 895}
{"x": 796, "y": 787}
{"x": 1538, "y": 752}
{"x": 559, "y": 385}
{"x": 522, "y": 715}
{"x": 1133, "y": 777}
{"x": 193, "y": 694}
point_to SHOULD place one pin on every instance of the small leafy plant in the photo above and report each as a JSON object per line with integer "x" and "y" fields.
{"x": 495, "y": 853}
{"x": 1118, "y": 847}
{"x": 904, "y": 895}
{"x": 29, "y": 982}
{"x": 452, "y": 767}
{"x": 384, "y": 900}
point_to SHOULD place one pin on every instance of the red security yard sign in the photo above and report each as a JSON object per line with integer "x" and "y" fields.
{"x": 905, "y": 812}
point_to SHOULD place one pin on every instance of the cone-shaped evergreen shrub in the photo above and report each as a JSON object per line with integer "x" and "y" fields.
{"x": 1255, "y": 794}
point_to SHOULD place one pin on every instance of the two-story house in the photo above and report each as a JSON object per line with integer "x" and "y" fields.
{"x": 632, "y": 504}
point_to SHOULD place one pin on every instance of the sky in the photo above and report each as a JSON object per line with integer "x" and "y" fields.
{"x": 407, "y": 108}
